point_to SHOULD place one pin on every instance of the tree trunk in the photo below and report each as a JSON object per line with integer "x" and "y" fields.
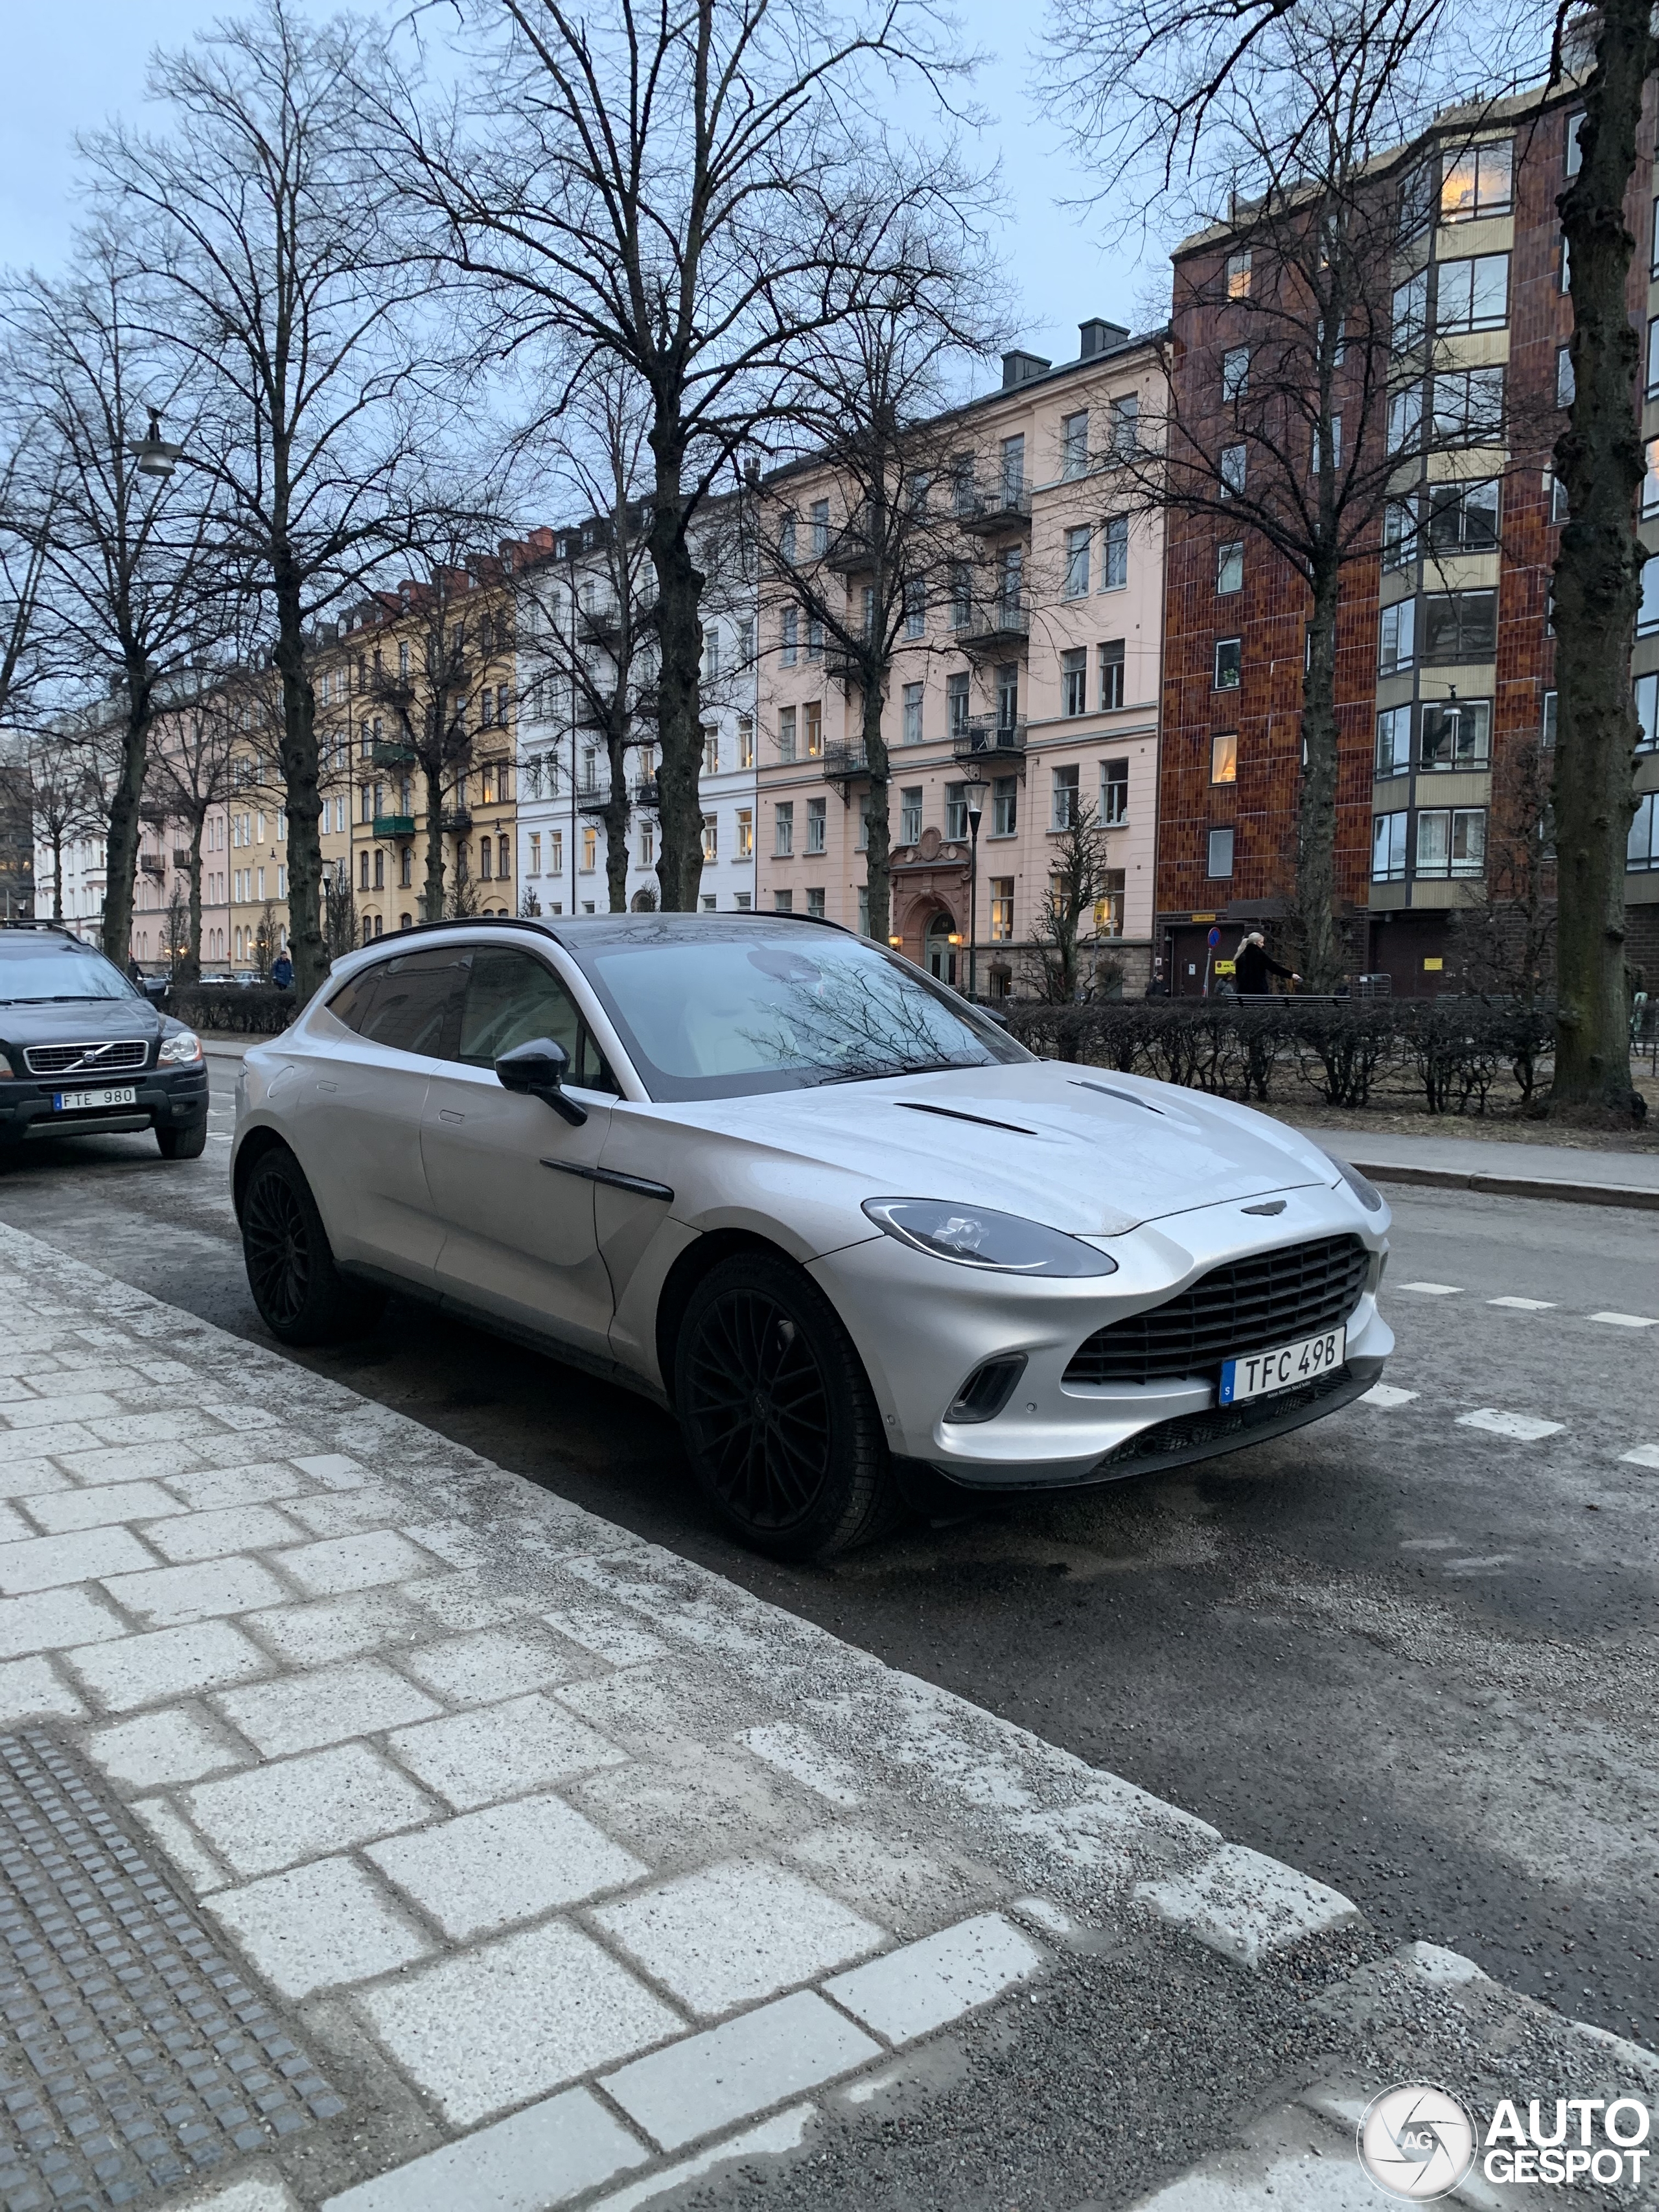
{"x": 679, "y": 717}
{"x": 121, "y": 860}
{"x": 188, "y": 969}
{"x": 617, "y": 814}
{"x": 878, "y": 859}
{"x": 432, "y": 895}
{"x": 303, "y": 805}
{"x": 57, "y": 878}
{"x": 1598, "y": 583}
{"x": 1315, "y": 828}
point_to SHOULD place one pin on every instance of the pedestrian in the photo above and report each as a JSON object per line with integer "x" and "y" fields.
{"x": 1252, "y": 967}
{"x": 282, "y": 971}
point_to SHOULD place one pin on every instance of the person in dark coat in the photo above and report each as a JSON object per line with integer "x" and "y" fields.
{"x": 1252, "y": 967}
{"x": 282, "y": 971}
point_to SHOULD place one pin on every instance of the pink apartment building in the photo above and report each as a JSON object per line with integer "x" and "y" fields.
{"x": 1035, "y": 672}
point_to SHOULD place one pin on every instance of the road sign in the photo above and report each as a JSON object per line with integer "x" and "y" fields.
{"x": 1215, "y": 937}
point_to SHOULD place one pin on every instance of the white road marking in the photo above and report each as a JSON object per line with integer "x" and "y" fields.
{"x": 1626, "y": 1320}
{"x": 1385, "y": 1394}
{"x": 1644, "y": 1456}
{"x": 214, "y": 1138}
{"x": 1480, "y": 1566}
{"x": 1522, "y": 1428}
{"x": 1433, "y": 1290}
{"x": 1525, "y": 1306}
{"x": 1428, "y": 1543}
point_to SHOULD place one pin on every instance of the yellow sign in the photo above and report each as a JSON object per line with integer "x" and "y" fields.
{"x": 1203, "y": 917}
{"x": 1224, "y": 967}
{"x": 1433, "y": 967}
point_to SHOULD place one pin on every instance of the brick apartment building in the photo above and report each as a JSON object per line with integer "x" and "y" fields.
{"x": 1444, "y": 659}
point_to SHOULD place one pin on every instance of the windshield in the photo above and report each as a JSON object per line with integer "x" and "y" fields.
{"x": 722, "y": 1018}
{"x": 41, "y": 968}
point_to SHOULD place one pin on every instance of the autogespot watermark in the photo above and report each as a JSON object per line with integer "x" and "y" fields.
{"x": 1420, "y": 2141}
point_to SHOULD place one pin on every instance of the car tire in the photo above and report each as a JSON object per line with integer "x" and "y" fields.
{"x": 779, "y": 1419}
{"x": 302, "y": 1296}
{"x": 188, "y": 1143}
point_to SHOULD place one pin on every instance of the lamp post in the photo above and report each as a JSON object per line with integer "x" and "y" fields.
{"x": 973, "y": 793}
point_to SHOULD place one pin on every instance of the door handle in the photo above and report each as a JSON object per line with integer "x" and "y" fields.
{"x": 328, "y": 1086}
{"x": 444, "y": 1115}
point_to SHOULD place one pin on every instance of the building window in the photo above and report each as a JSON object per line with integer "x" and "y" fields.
{"x": 1219, "y": 858}
{"x": 1235, "y": 374}
{"x": 1399, "y": 534}
{"x": 1074, "y": 445}
{"x": 746, "y": 641}
{"x": 1650, "y": 479}
{"x": 820, "y": 514}
{"x": 785, "y": 733}
{"x": 791, "y": 636}
{"x": 962, "y": 596}
{"x": 1004, "y": 805}
{"x": 916, "y": 606}
{"x": 1063, "y": 797}
{"x": 1469, "y": 406}
{"x": 1110, "y": 659}
{"x": 1397, "y": 637}
{"x": 1012, "y": 471}
{"x": 911, "y": 728}
{"x": 815, "y": 902}
{"x": 711, "y": 836}
{"x": 1008, "y": 695}
{"x": 1459, "y": 626}
{"x": 1234, "y": 467}
{"x": 1115, "y": 554}
{"x": 1113, "y": 793}
{"x": 1455, "y": 733}
{"x": 1566, "y": 385}
{"x": 362, "y": 870}
{"x": 1333, "y": 428}
{"x": 535, "y": 853}
{"x": 1642, "y": 848}
{"x": 1223, "y": 757}
{"x": 1575, "y": 152}
{"x": 1229, "y": 566}
{"x": 956, "y": 704}
{"x": 783, "y": 841}
{"x": 1477, "y": 183}
{"x": 555, "y": 853}
{"x": 1228, "y": 663}
{"x": 1473, "y": 296}
{"x": 590, "y": 851}
{"x": 1074, "y": 681}
{"x": 745, "y": 834}
{"x": 786, "y": 540}
{"x": 1002, "y": 909}
{"x": 1547, "y": 722}
{"x": 1411, "y": 314}
{"x": 1077, "y": 563}
{"x": 1108, "y": 907}
{"x": 910, "y": 814}
{"x": 864, "y": 823}
{"x": 647, "y": 845}
{"x": 1238, "y": 276}
{"x": 1388, "y": 848}
{"x": 1462, "y": 518}
{"x": 1394, "y": 741}
{"x": 1451, "y": 841}
{"x": 1126, "y": 426}
{"x": 814, "y": 638}
{"x": 745, "y": 741}
{"x": 1647, "y": 714}
{"x": 1652, "y": 389}
{"x": 812, "y": 729}
{"x": 956, "y": 810}
{"x": 1405, "y": 419}
{"x": 816, "y": 825}
{"x": 783, "y": 902}
{"x": 711, "y": 751}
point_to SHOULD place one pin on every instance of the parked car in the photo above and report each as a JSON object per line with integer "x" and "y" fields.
{"x": 864, "y": 1245}
{"x": 83, "y": 1050}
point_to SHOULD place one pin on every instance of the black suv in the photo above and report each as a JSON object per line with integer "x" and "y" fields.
{"x": 83, "y": 1050}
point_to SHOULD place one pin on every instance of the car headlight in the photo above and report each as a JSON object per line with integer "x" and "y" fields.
{"x": 183, "y": 1048}
{"x": 1366, "y": 1191}
{"x": 975, "y": 1236}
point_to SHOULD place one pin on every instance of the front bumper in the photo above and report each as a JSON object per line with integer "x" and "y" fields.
{"x": 169, "y": 1098}
{"x": 923, "y": 1326}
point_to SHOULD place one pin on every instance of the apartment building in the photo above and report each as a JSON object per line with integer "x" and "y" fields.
{"x": 1445, "y": 657}
{"x": 1026, "y": 680}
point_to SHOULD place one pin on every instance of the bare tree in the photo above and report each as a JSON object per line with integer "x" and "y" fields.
{"x": 288, "y": 282}
{"x": 1079, "y": 878}
{"x": 192, "y": 769}
{"x": 1506, "y": 929}
{"x": 67, "y": 800}
{"x": 646, "y": 186}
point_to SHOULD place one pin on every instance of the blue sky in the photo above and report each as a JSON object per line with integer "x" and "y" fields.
{"x": 69, "y": 66}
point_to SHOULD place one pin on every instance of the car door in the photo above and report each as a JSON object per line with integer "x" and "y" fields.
{"x": 511, "y": 1177}
{"x": 355, "y": 1110}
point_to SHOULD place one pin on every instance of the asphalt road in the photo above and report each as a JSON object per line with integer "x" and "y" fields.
{"x": 1413, "y": 1658}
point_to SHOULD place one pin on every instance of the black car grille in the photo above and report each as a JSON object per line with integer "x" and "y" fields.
{"x": 1249, "y": 1305}
{"x": 111, "y": 1059}
{"x": 1189, "y": 1435}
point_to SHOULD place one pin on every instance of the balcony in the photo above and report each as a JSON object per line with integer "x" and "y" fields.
{"x": 1003, "y": 625}
{"x": 850, "y": 552}
{"x": 844, "y": 764}
{"x": 394, "y": 825}
{"x": 152, "y": 863}
{"x": 387, "y": 752}
{"x": 645, "y": 791}
{"x": 181, "y": 856}
{"x": 600, "y": 625}
{"x": 456, "y": 821}
{"x": 987, "y": 742}
{"x": 992, "y": 513}
{"x": 592, "y": 798}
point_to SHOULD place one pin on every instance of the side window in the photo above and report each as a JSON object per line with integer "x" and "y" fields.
{"x": 411, "y": 1004}
{"x": 513, "y": 998}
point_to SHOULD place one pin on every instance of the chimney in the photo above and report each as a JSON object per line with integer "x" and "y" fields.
{"x": 1020, "y": 368}
{"x": 1097, "y": 336}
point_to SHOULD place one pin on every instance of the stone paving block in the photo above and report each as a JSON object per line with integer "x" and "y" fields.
{"x": 798, "y": 1753}
{"x": 254, "y": 2193}
{"x": 172, "y": 1594}
{"x": 335, "y": 1470}
{"x": 728, "y": 1935}
{"x": 180, "y": 1744}
{"x": 484, "y": 1870}
{"x": 1246, "y": 1906}
{"x": 335, "y": 1628}
{"x": 96, "y": 1462}
{"x": 345, "y": 1512}
{"x": 124, "y": 1426}
{"x": 707, "y": 2081}
{"x": 29, "y": 1478}
{"x": 303, "y": 1711}
{"x": 46, "y": 1413}
{"x": 482, "y": 1669}
{"x": 319, "y": 1925}
{"x": 254, "y": 1484}
{"x": 726, "y": 1800}
{"x": 323, "y": 1801}
{"x": 45, "y": 1562}
{"x": 212, "y": 1534}
{"x": 538, "y": 2158}
{"x": 52, "y": 1619}
{"x": 514, "y": 2018}
{"x": 460, "y": 1601}
{"x": 15, "y": 1528}
{"x": 173, "y": 1662}
{"x": 656, "y": 1709}
{"x": 501, "y": 1751}
{"x": 60, "y": 1512}
{"x": 609, "y": 1635}
{"x": 784, "y": 2132}
{"x": 352, "y": 1563}
{"x": 29, "y": 1687}
{"x": 910, "y": 1992}
{"x": 913, "y": 1889}
{"x": 197, "y": 1867}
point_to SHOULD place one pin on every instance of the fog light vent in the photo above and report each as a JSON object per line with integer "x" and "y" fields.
{"x": 987, "y": 1389}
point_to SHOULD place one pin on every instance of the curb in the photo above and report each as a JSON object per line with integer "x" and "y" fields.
{"x": 1501, "y": 1186}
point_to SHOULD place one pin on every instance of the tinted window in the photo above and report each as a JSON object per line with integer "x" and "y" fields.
{"x": 45, "y": 968}
{"x": 411, "y": 1004}
{"x": 512, "y": 998}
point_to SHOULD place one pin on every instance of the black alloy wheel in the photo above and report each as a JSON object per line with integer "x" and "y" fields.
{"x": 302, "y": 1296}
{"x": 778, "y": 1414}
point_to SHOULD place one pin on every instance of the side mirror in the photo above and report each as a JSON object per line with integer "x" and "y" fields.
{"x": 538, "y": 1069}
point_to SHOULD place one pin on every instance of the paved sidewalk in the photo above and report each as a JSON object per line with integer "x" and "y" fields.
{"x": 1478, "y": 1162}
{"x": 380, "y": 1832}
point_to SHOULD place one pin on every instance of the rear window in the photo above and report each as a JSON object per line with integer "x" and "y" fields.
{"x": 411, "y": 1004}
{"x": 41, "y": 969}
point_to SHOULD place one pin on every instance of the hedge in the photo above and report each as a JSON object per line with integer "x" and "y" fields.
{"x": 243, "y": 1009}
{"x": 1451, "y": 1051}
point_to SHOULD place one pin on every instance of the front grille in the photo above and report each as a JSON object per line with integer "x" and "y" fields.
{"x": 1249, "y": 1305}
{"x": 1222, "y": 1427}
{"x": 87, "y": 1059}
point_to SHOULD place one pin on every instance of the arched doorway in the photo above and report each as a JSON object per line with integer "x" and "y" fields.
{"x": 941, "y": 954}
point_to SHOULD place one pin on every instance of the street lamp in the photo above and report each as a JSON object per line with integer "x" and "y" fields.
{"x": 155, "y": 458}
{"x": 973, "y": 793}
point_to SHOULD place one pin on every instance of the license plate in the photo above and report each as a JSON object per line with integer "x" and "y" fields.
{"x": 1263, "y": 1372}
{"x": 77, "y": 1102}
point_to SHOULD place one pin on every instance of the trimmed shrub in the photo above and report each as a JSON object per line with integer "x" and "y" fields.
{"x": 239, "y": 1009}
